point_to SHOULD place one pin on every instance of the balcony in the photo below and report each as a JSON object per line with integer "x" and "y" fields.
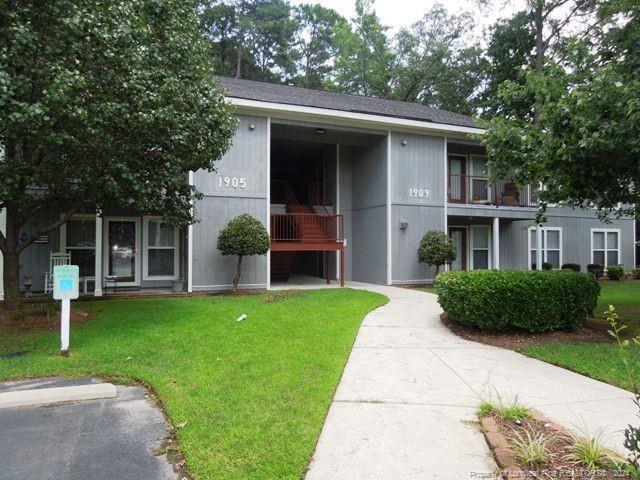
{"x": 478, "y": 190}
{"x": 306, "y": 232}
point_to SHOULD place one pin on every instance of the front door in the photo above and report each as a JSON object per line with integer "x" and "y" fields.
{"x": 122, "y": 247}
{"x": 457, "y": 179}
{"x": 459, "y": 237}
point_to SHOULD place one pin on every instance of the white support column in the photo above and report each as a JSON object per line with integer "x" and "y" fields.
{"x": 268, "y": 190}
{"x": 190, "y": 248}
{"x": 539, "y": 247}
{"x": 97, "y": 291}
{"x": 337, "y": 212}
{"x": 389, "y": 197}
{"x": 496, "y": 243}
{"x": 3, "y": 226}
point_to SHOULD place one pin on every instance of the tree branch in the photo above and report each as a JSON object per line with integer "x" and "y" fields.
{"x": 52, "y": 226}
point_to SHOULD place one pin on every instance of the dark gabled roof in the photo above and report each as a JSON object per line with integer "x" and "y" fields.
{"x": 308, "y": 97}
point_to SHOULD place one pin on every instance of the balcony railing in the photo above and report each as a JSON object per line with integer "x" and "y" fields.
{"x": 478, "y": 190}
{"x": 307, "y": 228}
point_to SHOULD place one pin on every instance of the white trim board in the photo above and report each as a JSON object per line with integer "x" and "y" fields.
{"x": 268, "y": 219}
{"x": 297, "y": 112}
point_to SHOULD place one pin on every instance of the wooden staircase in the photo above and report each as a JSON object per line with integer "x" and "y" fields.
{"x": 302, "y": 229}
{"x": 282, "y": 264}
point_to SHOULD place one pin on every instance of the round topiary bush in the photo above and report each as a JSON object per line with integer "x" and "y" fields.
{"x": 243, "y": 235}
{"x": 436, "y": 249}
{"x": 535, "y": 301}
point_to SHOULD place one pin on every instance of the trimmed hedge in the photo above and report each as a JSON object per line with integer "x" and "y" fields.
{"x": 615, "y": 272}
{"x": 571, "y": 266}
{"x": 535, "y": 301}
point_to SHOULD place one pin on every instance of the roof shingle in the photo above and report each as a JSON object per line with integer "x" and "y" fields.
{"x": 308, "y": 97}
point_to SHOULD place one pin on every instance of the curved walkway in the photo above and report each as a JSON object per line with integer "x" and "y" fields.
{"x": 410, "y": 388}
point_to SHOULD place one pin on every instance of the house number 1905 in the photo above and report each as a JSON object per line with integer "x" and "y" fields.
{"x": 415, "y": 192}
{"x": 232, "y": 182}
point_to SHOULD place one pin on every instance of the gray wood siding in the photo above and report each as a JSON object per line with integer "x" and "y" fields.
{"x": 247, "y": 158}
{"x": 418, "y": 164}
{"x": 211, "y": 270}
{"x": 345, "y": 178}
{"x": 576, "y": 241}
{"x": 405, "y": 243}
{"x": 363, "y": 195}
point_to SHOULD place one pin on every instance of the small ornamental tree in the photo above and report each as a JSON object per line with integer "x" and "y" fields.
{"x": 436, "y": 249}
{"x": 244, "y": 235}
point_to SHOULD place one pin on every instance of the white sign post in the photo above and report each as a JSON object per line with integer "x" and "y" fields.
{"x": 66, "y": 287}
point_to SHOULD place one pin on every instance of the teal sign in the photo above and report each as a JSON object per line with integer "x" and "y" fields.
{"x": 66, "y": 282}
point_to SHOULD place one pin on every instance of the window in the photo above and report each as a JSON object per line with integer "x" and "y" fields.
{"x": 551, "y": 246}
{"x": 605, "y": 246}
{"x": 78, "y": 238}
{"x": 161, "y": 250}
{"x": 480, "y": 258}
{"x": 479, "y": 183}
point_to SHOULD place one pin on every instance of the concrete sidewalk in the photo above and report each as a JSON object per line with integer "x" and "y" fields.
{"x": 410, "y": 388}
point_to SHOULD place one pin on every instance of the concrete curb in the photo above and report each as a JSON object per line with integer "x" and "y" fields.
{"x": 47, "y": 396}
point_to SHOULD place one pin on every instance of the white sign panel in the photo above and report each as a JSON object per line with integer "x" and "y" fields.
{"x": 66, "y": 280}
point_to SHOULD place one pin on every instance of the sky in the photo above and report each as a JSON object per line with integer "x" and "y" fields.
{"x": 399, "y": 13}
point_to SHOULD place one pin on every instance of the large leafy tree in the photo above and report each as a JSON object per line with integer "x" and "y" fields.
{"x": 315, "y": 43}
{"x": 251, "y": 38}
{"x": 436, "y": 63}
{"x": 581, "y": 140}
{"x": 363, "y": 64}
{"x": 110, "y": 105}
{"x": 509, "y": 54}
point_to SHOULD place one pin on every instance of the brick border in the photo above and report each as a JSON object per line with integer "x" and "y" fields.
{"x": 503, "y": 455}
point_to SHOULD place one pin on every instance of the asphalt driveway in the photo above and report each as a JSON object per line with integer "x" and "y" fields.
{"x": 89, "y": 440}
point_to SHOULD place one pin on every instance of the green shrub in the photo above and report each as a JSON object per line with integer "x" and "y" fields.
{"x": 615, "y": 272}
{"x": 535, "y": 301}
{"x": 545, "y": 266}
{"x": 243, "y": 235}
{"x": 636, "y": 273}
{"x": 436, "y": 248}
{"x": 596, "y": 268}
{"x": 571, "y": 266}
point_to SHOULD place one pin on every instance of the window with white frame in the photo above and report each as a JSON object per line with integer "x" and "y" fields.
{"x": 161, "y": 249}
{"x": 480, "y": 242}
{"x": 551, "y": 246}
{"x": 605, "y": 246}
{"x": 79, "y": 240}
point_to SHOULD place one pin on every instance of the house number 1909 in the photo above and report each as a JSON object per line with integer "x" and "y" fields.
{"x": 415, "y": 192}
{"x": 232, "y": 182}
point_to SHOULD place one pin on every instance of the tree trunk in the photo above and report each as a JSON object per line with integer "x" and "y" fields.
{"x": 239, "y": 59}
{"x": 540, "y": 51}
{"x": 11, "y": 273}
{"x": 11, "y": 276}
{"x": 437, "y": 271}
{"x": 236, "y": 279}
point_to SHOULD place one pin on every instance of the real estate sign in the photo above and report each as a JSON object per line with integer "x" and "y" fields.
{"x": 66, "y": 280}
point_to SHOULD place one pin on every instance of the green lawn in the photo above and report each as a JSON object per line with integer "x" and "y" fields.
{"x": 601, "y": 361}
{"x": 253, "y": 394}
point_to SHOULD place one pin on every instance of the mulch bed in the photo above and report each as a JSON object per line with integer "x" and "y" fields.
{"x": 515, "y": 340}
{"x": 32, "y": 318}
{"x": 500, "y": 434}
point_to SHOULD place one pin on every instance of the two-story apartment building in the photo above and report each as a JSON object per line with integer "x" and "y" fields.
{"x": 347, "y": 186}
